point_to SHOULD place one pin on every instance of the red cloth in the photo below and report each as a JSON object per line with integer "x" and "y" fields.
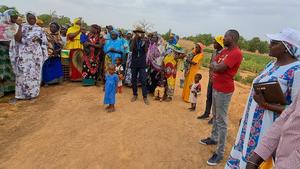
{"x": 223, "y": 81}
{"x": 76, "y": 61}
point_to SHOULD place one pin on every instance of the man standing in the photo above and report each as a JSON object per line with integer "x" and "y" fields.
{"x": 224, "y": 68}
{"x": 139, "y": 48}
{"x": 218, "y": 46}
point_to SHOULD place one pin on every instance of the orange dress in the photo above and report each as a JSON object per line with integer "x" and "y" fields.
{"x": 189, "y": 79}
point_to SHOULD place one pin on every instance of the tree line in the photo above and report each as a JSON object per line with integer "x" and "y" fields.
{"x": 46, "y": 18}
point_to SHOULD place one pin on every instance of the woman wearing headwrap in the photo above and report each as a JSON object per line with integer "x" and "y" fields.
{"x": 154, "y": 61}
{"x": 28, "y": 53}
{"x": 113, "y": 48}
{"x": 191, "y": 67}
{"x": 170, "y": 61}
{"x": 52, "y": 68}
{"x": 259, "y": 115}
{"x": 75, "y": 47}
{"x": 8, "y": 28}
{"x": 91, "y": 52}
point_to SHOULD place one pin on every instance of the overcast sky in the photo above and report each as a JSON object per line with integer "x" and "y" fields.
{"x": 185, "y": 17}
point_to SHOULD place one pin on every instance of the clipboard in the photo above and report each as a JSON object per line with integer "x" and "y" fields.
{"x": 271, "y": 91}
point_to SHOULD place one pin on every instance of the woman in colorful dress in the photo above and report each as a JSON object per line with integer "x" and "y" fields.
{"x": 76, "y": 50}
{"x": 28, "y": 53}
{"x": 191, "y": 67}
{"x": 154, "y": 62}
{"x": 173, "y": 54}
{"x": 260, "y": 115}
{"x": 91, "y": 52}
{"x": 8, "y": 28}
{"x": 52, "y": 68}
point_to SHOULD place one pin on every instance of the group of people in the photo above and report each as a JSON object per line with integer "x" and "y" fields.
{"x": 32, "y": 56}
{"x": 37, "y": 55}
{"x": 269, "y": 133}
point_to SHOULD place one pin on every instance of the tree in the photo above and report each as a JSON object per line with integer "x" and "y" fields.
{"x": 253, "y": 44}
{"x": 263, "y": 47}
{"x": 243, "y": 43}
{"x": 166, "y": 36}
{"x": 46, "y": 18}
{"x": 146, "y": 26}
{"x": 206, "y": 39}
{"x": 3, "y": 8}
{"x": 63, "y": 20}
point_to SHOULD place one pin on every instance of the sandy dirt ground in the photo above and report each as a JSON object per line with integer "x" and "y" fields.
{"x": 67, "y": 128}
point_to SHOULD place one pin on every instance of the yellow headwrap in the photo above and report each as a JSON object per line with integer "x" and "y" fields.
{"x": 220, "y": 40}
{"x": 75, "y": 43}
{"x": 75, "y": 27}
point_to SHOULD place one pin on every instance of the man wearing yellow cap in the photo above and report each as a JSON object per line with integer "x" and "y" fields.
{"x": 218, "y": 46}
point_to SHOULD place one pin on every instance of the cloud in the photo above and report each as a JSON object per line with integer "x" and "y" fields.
{"x": 185, "y": 17}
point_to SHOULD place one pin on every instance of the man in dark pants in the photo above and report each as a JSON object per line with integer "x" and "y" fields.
{"x": 218, "y": 46}
{"x": 139, "y": 48}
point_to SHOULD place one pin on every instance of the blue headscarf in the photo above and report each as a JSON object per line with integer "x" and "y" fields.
{"x": 116, "y": 44}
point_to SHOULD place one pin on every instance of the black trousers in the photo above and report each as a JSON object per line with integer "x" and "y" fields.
{"x": 142, "y": 78}
{"x": 208, "y": 98}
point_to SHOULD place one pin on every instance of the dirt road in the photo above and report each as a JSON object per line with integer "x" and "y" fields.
{"x": 67, "y": 128}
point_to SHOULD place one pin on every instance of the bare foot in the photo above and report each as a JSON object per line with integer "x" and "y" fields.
{"x": 111, "y": 109}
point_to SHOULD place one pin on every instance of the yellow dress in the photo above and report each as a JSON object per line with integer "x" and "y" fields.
{"x": 191, "y": 76}
{"x": 74, "y": 43}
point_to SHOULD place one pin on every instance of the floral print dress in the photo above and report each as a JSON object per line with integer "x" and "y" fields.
{"x": 27, "y": 58}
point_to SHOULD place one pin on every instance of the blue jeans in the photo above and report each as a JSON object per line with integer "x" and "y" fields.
{"x": 141, "y": 72}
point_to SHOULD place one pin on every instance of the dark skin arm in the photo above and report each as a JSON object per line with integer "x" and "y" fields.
{"x": 219, "y": 68}
{"x": 93, "y": 45}
{"x": 18, "y": 35}
{"x": 115, "y": 51}
{"x": 73, "y": 35}
{"x": 254, "y": 162}
{"x": 191, "y": 62}
{"x": 258, "y": 97}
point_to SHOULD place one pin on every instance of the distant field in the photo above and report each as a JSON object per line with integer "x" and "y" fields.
{"x": 252, "y": 64}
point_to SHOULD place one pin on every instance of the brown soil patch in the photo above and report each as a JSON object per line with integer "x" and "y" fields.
{"x": 67, "y": 127}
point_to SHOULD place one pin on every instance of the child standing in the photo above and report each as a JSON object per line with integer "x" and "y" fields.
{"x": 111, "y": 85}
{"x": 159, "y": 91}
{"x": 195, "y": 89}
{"x": 120, "y": 73}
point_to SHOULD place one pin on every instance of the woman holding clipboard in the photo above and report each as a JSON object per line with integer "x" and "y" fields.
{"x": 259, "y": 115}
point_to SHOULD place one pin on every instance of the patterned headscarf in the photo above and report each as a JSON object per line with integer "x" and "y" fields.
{"x": 31, "y": 13}
{"x": 8, "y": 14}
{"x": 293, "y": 50}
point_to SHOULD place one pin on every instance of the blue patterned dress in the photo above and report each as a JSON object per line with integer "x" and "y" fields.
{"x": 256, "y": 120}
